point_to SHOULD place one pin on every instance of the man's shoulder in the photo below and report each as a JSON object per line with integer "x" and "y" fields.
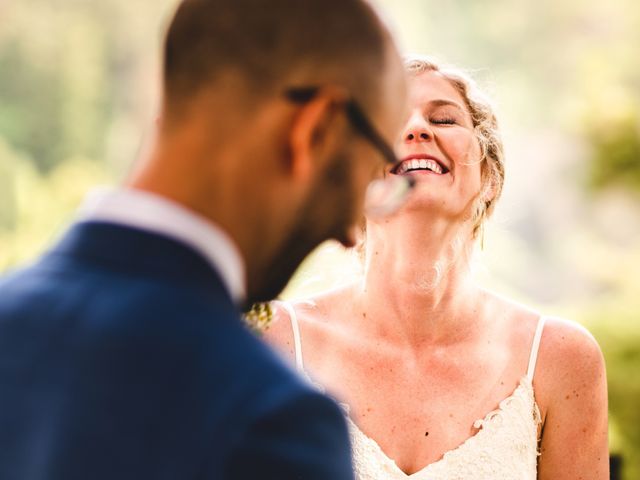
{"x": 289, "y": 430}
{"x": 125, "y": 282}
{"x": 149, "y": 321}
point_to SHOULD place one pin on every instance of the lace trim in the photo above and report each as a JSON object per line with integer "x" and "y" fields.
{"x": 504, "y": 404}
{"x": 370, "y": 461}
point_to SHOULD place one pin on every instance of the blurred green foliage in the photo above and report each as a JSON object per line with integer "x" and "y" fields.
{"x": 615, "y": 159}
{"x": 37, "y": 206}
{"x": 56, "y": 98}
{"x": 615, "y": 327}
{"x": 77, "y": 86}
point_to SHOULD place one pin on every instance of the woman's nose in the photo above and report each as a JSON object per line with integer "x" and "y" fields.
{"x": 417, "y": 130}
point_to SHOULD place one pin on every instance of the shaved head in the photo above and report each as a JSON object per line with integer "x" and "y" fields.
{"x": 268, "y": 44}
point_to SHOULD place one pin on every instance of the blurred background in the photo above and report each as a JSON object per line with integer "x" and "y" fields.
{"x": 78, "y": 90}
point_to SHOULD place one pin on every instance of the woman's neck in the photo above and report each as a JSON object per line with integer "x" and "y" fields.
{"x": 417, "y": 287}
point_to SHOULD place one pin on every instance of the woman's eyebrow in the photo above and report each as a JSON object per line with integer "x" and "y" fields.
{"x": 443, "y": 102}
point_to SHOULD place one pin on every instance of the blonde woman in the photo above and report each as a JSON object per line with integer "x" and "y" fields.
{"x": 439, "y": 378}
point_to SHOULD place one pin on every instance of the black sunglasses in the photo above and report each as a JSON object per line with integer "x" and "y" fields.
{"x": 355, "y": 115}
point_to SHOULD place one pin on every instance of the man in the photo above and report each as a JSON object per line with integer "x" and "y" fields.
{"x": 122, "y": 355}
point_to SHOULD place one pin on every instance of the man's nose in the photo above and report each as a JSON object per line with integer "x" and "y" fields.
{"x": 417, "y": 129}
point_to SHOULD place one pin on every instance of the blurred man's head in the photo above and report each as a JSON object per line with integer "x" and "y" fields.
{"x": 280, "y": 173}
{"x": 272, "y": 44}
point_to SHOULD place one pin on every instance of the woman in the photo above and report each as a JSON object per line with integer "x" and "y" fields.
{"x": 440, "y": 378}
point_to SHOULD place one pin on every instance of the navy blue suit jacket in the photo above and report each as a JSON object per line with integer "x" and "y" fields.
{"x": 123, "y": 357}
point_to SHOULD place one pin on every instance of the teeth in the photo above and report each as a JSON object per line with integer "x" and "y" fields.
{"x": 434, "y": 167}
{"x": 422, "y": 164}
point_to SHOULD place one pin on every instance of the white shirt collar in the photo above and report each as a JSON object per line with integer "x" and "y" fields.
{"x": 160, "y": 215}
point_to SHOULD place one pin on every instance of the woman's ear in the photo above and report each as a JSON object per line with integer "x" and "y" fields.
{"x": 489, "y": 190}
{"x": 489, "y": 193}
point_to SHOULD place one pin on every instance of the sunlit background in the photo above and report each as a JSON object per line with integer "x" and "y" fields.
{"x": 78, "y": 82}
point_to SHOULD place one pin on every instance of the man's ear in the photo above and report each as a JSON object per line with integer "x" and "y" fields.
{"x": 310, "y": 132}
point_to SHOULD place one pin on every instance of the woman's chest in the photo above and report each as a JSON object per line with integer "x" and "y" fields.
{"x": 416, "y": 412}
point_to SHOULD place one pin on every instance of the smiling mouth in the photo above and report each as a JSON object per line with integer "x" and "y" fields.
{"x": 420, "y": 164}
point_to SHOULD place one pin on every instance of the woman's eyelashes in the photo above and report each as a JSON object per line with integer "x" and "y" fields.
{"x": 443, "y": 120}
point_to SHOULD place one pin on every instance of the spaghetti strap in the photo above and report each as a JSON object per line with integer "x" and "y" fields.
{"x": 296, "y": 335}
{"x": 533, "y": 357}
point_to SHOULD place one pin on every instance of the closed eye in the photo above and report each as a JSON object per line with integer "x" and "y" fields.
{"x": 443, "y": 121}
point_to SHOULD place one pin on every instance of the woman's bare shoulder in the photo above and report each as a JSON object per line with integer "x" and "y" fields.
{"x": 570, "y": 376}
{"x": 566, "y": 347}
{"x": 571, "y": 385}
{"x": 310, "y": 315}
{"x": 565, "y": 344}
{"x": 568, "y": 350}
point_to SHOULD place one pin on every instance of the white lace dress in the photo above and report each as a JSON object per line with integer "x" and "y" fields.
{"x": 504, "y": 448}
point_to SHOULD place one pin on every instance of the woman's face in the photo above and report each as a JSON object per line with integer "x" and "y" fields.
{"x": 439, "y": 149}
